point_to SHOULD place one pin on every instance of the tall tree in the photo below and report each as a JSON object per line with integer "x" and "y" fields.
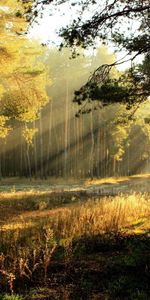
{"x": 22, "y": 83}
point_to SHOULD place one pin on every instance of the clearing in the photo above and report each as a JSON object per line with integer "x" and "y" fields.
{"x": 80, "y": 240}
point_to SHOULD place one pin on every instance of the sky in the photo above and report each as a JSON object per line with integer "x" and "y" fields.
{"x": 47, "y": 28}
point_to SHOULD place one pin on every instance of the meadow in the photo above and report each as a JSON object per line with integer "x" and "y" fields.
{"x": 73, "y": 245}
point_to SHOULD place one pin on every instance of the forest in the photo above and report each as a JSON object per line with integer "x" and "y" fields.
{"x": 74, "y": 150}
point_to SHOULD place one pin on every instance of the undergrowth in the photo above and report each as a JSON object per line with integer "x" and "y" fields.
{"x": 101, "y": 241}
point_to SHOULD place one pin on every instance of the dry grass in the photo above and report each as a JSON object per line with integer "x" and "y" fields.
{"x": 60, "y": 180}
{"x": 115, "y": 180}
{"x": 35, "y": 229}
{"x": 103, "y": 215}
{"x": 95, "y": 216}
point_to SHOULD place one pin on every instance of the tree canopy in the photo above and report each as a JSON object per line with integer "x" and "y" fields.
{"x": 23, "y": 76}
{"x": 105, "y": 21}
{"x": 123, "y": 23}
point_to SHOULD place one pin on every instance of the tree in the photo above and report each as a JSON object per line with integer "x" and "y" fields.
{"x": 22, "y": 84}
{"x": 106, "y": 22}
{"x": 23, "y": 77}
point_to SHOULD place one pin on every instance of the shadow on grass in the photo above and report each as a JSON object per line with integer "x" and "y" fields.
{"x": 11, "y": 207}
{"x": 116, "y": 266}
{"x": 108, "y": 266}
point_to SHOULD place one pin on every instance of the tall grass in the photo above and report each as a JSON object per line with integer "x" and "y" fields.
{"x": 96, "y": 215}
{"x": 100, "y": 215}
{"x": 27, "y": 249}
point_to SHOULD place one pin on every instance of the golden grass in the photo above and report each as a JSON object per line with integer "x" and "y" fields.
{"x": 21, "y": 194}
{"x": 16, "y": 226}
{"x": 128, "y": 213}
{"x": 115, "y": 180}
{"x": 103, "y": 215}
{"x": 28, "y": 239}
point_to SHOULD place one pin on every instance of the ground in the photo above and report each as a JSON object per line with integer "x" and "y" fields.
{"x": 80, "y": 240}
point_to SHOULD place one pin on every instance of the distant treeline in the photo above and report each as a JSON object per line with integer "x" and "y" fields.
{"x": 92, "y": 145}
{"x": 49, "y": 140}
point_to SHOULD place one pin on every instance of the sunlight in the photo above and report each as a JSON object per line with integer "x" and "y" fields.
{"x": 74, "y": 149}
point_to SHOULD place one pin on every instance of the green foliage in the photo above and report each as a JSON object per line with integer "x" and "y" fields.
{"x": 111, "y": 21}
{"x": 23, "y": 76}
{"x": 108, "y": 93}
{"x": 106, "y": 21}
{"x": 131, "y": 88}
{"x": 10, "y": 297}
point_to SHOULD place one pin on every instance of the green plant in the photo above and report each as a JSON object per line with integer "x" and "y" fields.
{"x": 10, "y": 297}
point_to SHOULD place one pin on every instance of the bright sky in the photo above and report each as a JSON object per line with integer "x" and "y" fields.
{"x": 49, "y": 25}
{"x": 47, "y": 29}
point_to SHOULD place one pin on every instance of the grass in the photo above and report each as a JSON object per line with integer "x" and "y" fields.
{"x": 64, "y": 246}
{"x": 119, "y": 179}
